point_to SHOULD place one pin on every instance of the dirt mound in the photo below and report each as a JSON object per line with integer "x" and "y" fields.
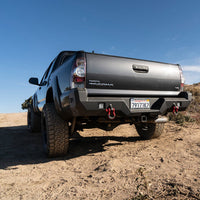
{"x": 100, "y": 165}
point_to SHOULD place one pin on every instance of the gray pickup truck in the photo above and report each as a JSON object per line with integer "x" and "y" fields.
{"x": 87, "y": 90}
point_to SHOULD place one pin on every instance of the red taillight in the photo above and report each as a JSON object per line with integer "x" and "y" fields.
{"x": 182, "y": 86}
{"x": 78, "y": 73}
{"x": 182, "y": 79}
{"x": 79, "y": 79}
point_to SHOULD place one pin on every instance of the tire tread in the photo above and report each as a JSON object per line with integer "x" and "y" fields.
{"x": 57, "y": 132}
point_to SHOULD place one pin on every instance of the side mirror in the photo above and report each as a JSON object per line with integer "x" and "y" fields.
{"x": 33, "y": 81}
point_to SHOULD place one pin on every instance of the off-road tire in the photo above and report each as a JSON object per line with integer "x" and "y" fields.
{"x": 55, "y": 132}
{"x": 33, "y": 121}
{"x": 149, "y": 130}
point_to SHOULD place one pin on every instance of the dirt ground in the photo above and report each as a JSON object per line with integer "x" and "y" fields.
{"x": 100, "y": 165}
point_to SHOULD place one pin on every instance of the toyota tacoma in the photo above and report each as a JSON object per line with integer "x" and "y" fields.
{"x": 87, "y": 90}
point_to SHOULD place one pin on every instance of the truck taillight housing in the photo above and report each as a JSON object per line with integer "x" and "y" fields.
{"x": 182, "y": 79}
{"x": 78, "y": 73}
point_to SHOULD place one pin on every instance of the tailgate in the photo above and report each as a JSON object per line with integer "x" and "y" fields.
{"x": 107, "y": 74}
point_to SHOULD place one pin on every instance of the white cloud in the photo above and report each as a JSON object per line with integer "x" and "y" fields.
{"x": 191, "y": 77}
{"x": 191, "y": 68}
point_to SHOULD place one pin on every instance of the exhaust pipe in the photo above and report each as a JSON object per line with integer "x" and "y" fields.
{"x": 161, "y": 120}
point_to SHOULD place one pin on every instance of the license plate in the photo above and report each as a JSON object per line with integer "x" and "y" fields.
{"x": 140, "y": 104}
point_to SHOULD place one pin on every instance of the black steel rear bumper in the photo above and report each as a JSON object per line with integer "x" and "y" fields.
{"x": 76, "y": 103}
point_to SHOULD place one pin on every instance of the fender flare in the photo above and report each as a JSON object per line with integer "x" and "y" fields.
{"x": 35, "y": 104}
{"x": 56, "y": 94}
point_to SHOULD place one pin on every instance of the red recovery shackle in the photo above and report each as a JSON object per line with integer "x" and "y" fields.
{"x": 175, "y": 110}
{"x": 111, "y": 112}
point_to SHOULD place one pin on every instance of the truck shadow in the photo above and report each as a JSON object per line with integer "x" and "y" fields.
{"x": 20, "y": 147}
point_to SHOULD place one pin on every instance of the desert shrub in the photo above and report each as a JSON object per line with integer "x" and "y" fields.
{"x": 196, "y": 84}
{"x": 180, "y": 118}
{"x": 195, "y": 92}
{"x": 194, "y": 106}
{"x": 189, "y": 118}
{"x": 193, "y": 109}
{"x": 194, "y": 89}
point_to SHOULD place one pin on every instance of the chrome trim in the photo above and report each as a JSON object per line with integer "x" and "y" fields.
{"x": 131, "y": 92}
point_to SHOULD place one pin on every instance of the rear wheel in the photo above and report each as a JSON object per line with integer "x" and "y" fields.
{"x": 33, "y": 121}
{"x": 149, "y": 130}
{"x": 55, "y": 132}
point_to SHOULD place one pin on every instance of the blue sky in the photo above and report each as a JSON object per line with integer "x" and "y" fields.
{"x": 33, "y": 32}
